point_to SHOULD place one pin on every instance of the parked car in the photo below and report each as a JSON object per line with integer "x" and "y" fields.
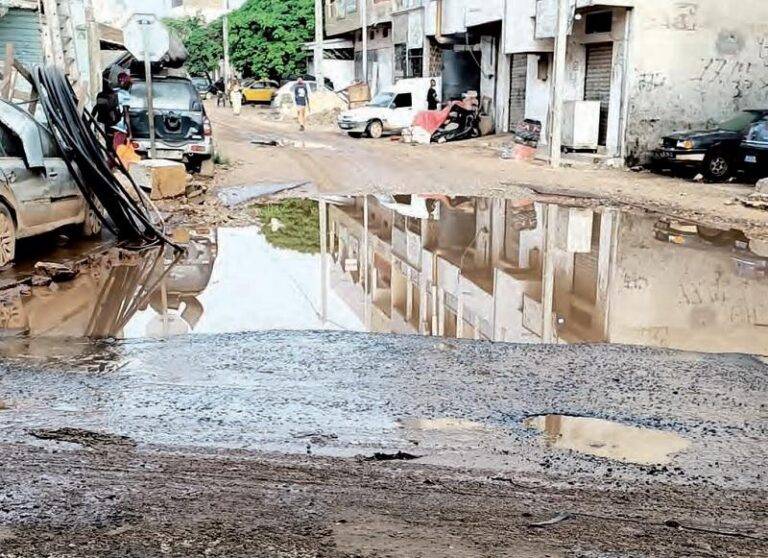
{"x": 390, "y": 111}
{"x": 182, "y": 128}
{"x": 203, "y": 86}
{"x": 714, "y": 152}
{"x": 37, "y": 192}
{"x": 259, "y": 91}
{"x": 754, "y": 150}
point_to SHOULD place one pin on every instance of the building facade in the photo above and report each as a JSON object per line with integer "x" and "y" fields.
{"x": 648, "y": 67}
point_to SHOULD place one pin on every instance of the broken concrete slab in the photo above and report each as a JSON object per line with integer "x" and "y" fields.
{"x": 56, "y": 271}
{"x": 237, "y": 195}
{"x": 762, "y": 186}
{"x": 163, "y": 179}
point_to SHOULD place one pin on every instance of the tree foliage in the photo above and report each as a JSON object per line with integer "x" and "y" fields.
{"x": 266, "y": 38}
{"x": 204, "y": 43}
{"x": 299, "y": 225}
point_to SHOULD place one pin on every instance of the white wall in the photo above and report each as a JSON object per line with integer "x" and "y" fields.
{"x": 520, "y": 36}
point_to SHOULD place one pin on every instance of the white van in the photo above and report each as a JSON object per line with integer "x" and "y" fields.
{"x": 392, "y": 110}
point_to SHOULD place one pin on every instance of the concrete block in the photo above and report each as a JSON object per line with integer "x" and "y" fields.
{"x": 163, "y": 179}
{"x": 762, "y": 186}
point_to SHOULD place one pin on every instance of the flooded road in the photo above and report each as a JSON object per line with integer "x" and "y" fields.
{"x": 555, "y": 392}
{"x": 475, "y": 268}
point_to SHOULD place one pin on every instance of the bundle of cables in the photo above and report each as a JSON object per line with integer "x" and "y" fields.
{"x": 90, "y": 162}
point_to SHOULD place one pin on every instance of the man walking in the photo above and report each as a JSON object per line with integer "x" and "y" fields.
{"x": 301, "y": 97}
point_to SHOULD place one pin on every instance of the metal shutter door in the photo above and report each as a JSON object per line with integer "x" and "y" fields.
{"x": 517, "y": 88}
{"x": 597, "y": 86}
{"x": 22, "y": 28}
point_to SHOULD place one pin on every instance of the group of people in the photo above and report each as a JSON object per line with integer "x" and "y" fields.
{"x": 233, "y": 90}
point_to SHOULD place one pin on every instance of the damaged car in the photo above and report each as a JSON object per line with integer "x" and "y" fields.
{"x": 37, "y": 191}
{"x": 713, "y": 152}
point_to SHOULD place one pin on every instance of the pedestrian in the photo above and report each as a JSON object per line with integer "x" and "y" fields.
{"x": 236, "y": 97}
{"x": 301, "y": 97}
{"x": 432, "y": 102}
{"x": 220, "y": 90}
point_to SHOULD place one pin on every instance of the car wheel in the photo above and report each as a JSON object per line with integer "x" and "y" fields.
{"x": 92, "y": 223}
{"x": 355, "y": 135}
{"x": 7, "y": 237}
{"x": 375, "y": 129}
{"x": 717, "y": 167}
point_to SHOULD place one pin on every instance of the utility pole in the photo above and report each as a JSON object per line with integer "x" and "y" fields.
{"x": 225, "y": 34}
{"x": 319, "y": 39}
{"x": 364, "y": 16}
{"x": 150, "y": 94}
{"x": 556, "y": 112}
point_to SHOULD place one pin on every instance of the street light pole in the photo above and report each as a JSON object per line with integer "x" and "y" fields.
{"x": 225, "y": 34}
{"x": 558, "y": 85}
{"x": 364, "y": 17}
{"x": 319, "y": 47}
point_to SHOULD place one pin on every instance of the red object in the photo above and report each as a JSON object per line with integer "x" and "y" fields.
{"x": 120, "y": 138}
{"x": 431, "y": 120}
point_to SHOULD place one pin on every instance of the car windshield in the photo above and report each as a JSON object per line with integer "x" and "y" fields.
{"x": 740, "y": 121}
{"x": 382, "y": 100}
{"x": 200, "y": 82}
{"x": 167, "y": 95}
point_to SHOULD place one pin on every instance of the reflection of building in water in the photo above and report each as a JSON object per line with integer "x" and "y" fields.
{"x": 500, "y": 270}
{"x": 104, "y": 297}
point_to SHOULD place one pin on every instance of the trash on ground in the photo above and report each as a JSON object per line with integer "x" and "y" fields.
{"x": 83, "y": 437}
{"x": 237, "y": 195}
{"x": 399, "y": 456}
{"x": 559, "y": 518}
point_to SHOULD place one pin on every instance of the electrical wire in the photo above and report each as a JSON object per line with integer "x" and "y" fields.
{"x": 90, "y": 163}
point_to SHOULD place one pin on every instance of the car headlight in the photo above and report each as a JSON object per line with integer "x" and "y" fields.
{"x": 685, "y": 144}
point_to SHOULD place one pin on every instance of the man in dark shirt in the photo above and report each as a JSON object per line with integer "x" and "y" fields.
{"x": 432, "y": 102}
{"x": 301, "y": 97}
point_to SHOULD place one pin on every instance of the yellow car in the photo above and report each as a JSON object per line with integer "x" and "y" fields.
{"x": 259, "y": 91}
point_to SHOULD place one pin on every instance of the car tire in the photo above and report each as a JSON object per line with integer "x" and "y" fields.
{"x": 356, "y": 135}
{"x": 375, "y": 129}
{"x": 717, "y": 167}
{"x": 91, "y": 224}
{"x": 7, "y": 237}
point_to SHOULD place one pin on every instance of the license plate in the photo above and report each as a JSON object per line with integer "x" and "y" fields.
{"x": 665, "y": 154}
{"x": 346, "y": 126}
{"x": 175, "y": 154}
{"x": 750, "y": 159}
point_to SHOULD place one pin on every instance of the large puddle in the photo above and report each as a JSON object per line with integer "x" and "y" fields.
{"x": 460, "y": 267}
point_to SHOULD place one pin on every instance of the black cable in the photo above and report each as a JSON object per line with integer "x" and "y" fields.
{"x": 90, "y": 163}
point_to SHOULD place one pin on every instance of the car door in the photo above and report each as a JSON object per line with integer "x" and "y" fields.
{"x": 402, "y": 111}
{"x": 27, "y": 189}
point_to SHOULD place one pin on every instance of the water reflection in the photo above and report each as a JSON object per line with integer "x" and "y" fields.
{"x": 515, "y": 271}
{"x": 479, "y": 268}
{"x": 607, "y": 439}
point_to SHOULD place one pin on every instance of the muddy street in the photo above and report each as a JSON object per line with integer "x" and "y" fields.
{"x": 378, "y": 376}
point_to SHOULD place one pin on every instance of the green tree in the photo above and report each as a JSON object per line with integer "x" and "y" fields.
{"x": 267, "y": 36}
{"x": 203, "y": 43}
{"x": 298, "y": 225}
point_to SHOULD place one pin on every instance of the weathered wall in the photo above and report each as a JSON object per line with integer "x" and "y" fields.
{"x": 693, "y": 63}
{"x": 520, "y": 36}
{"x": 379, "y": 11}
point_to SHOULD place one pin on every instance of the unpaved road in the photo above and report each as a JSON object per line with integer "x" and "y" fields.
{"x": 186, "y": 462}
{"x": 335, "y": 163}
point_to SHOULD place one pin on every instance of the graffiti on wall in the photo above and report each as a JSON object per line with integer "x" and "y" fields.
{"x": 735, "y": 76}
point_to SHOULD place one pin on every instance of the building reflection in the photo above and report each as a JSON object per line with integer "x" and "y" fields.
{"x": 503, "y": 270}
{"x": 101, "y": 300}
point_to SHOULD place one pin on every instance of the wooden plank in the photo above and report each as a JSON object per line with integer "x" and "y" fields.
{"x": 5, "y": 85}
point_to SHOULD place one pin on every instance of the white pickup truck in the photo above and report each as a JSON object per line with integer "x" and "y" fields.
{"x": 390, "y": 111}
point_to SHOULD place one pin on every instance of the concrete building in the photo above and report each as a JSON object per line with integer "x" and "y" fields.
{"x": 498, "y": 270}
{"x": 635, "y": 69}
{"x": 343, "y": 20}
{"x": 209, "y": 10}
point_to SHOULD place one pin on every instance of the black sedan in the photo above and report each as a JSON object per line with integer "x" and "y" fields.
{"x": 715, "y": 152}
{"x": 754, "y": 151}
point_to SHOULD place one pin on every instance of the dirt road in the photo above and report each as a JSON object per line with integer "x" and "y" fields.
{"x": 335, "y": 163}
{"x": 151, "y": 448}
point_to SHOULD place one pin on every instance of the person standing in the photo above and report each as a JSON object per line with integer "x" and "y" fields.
{"x": 432, "y": 101}
{"x": 301, "y": 97}
{"x": 236, "y": 97}
{"x": 220, "y": 91}
{"x": 122, "y": 128}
